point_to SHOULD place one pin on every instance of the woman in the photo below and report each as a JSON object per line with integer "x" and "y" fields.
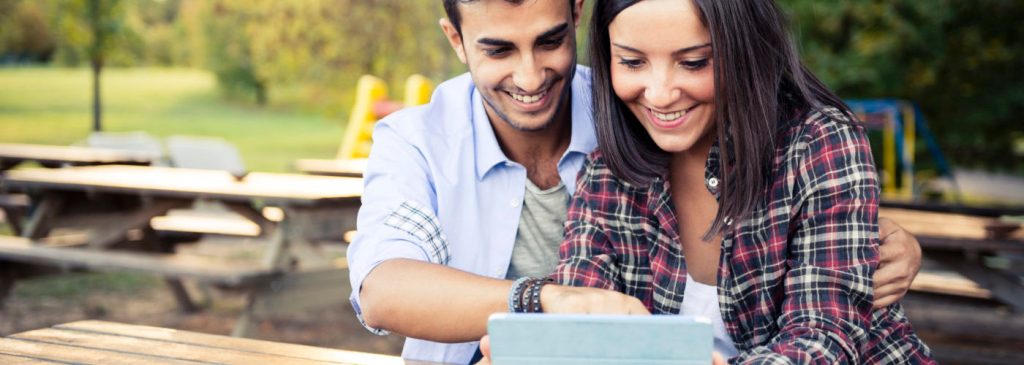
{"x": 730, "y": 182}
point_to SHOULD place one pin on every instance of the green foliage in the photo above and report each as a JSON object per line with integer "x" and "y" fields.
{"x": 95, "y": 31}
{"x": 25, "y": 33}
{"x": 960, "y": 60}
{"x": 323, "y": 45}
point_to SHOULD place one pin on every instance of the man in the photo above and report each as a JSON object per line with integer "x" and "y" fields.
{"x": 472, "y": 189}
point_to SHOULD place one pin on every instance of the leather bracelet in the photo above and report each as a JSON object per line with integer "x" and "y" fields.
{"x": 524, "y": 299}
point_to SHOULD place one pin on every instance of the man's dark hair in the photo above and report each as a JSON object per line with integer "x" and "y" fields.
{"x": 451, "y": 8}
{"x": 760, "y": 84}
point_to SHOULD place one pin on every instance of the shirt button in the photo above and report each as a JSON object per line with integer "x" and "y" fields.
{"x": 713, "y": 182}
{"x": 514, "y": 203}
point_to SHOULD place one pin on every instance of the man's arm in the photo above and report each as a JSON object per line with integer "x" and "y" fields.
{"x": 899, "y": 263}
{"x": 432, "y": 302}
{"x": 398, "y": 260}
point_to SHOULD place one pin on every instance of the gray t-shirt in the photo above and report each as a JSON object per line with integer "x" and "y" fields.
{"x": 541, "y": 226}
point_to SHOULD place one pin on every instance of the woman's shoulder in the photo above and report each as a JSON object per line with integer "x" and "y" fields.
{"x": 823, "y": 127}
{"x": 825, "y": 122}
{"x": 597, "y": 176}
{"x": 596, "y": 169}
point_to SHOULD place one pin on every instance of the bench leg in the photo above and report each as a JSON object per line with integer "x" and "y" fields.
{"x": 6, "y": 285}
{"x": 243, "y": 325}
{"x": 13, "y": 218}
{"x": 181, "y": 296}
{"x": 37, "y": 224}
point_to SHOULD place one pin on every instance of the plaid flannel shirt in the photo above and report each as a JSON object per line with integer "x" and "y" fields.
{"x": 794, "y": 277}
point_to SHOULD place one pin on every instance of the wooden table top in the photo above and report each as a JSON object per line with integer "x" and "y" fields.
{"x": 74, "y": 155}
{"x": 348, "y": 168}
{"x": 98, "y": 342}
{"x": 937, "y": 230}
{"x": 287, "y": 189}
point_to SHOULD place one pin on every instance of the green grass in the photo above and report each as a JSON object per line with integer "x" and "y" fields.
{"x": 78, "y": 286}
{"x": 53, "y": 106}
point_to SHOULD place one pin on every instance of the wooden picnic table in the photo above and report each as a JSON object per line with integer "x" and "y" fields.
{"x": 346, "y": 168}
{"x": 13, "y": 154}
{"x": 113, "y": 201}
{"x": 963, "y": 243}
{"x": 109, "y": 343}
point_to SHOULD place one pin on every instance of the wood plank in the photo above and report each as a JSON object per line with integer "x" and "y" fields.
{"x": 157, "y": 348}
{"x": 223, "y": 343}
{"x": 21, "y": 360}
{"x": 80, "y": 355}
{"x": 75, "y": 155}
{"x": 948, "y": 283}
{"x": 168, "y": 265}
{"x": 205, "y": 224}
{"x": 272, "y": 188}
{"x": 946, "y": 224}
{"x": 345, "y": 168}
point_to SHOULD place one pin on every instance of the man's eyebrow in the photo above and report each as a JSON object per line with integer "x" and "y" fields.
{"x": 494, "y": 42}
{"x": 674, "y": 53}
{"x": 554, "y": 32}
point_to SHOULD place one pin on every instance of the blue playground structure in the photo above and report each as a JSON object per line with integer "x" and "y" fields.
{"x": 901, "y": 124}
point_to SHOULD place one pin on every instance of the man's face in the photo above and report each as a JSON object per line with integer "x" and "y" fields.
{"x": 521, "y": 58}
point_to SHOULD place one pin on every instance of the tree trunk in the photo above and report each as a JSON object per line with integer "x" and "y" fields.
{"x": 261, "y": 93}
{"x": 97, "y": 66}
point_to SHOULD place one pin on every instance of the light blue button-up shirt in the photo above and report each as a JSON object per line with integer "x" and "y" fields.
{"x": 438, "y": 188}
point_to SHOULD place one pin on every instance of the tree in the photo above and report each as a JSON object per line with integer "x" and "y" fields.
{"x": 322, "y": 45}
{"x": 94, "y": 28}
{"x": 960, "y": 60}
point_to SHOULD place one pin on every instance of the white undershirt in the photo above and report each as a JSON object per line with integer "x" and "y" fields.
{"x": 702, "y": 300}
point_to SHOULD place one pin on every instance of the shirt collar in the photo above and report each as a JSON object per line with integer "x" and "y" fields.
{"x": 584, "y": 138}
{"x": 488, "y": 151}
{"x": 582, "y": 141}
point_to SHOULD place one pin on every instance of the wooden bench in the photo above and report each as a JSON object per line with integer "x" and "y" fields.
{"x": 96, "y": 342}
{"x": 216, "y": 272}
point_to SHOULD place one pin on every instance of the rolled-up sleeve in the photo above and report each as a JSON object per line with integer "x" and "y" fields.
{"x": 397, "y": 219}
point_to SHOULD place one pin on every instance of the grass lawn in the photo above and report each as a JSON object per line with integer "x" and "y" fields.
{"x": 53, "y": 106}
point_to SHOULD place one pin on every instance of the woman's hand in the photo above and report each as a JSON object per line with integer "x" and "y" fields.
{"x": 568, "y": 299}
{"x": 898, "y": 265}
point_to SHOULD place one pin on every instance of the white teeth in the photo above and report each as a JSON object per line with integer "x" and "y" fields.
{"x": 670, "y": 116}
{"x": 528, "y": 99}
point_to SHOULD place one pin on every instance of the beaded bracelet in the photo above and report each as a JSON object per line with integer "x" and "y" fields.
{"x": 516, "y": 294}
{"x": 534, "y": 301}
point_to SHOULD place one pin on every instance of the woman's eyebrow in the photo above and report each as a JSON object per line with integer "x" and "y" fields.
{"x": 676, "y": 52}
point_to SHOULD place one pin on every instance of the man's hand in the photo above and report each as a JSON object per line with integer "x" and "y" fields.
{"x": 568, "y": 299}
{"x": 898, "y": 265}
{"x": 485, "y": 349}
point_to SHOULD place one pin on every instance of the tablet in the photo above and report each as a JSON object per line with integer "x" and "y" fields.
{"x": 570, "y": 339}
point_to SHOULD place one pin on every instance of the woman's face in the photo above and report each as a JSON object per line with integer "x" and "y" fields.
{"x": 661, "y": 68}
